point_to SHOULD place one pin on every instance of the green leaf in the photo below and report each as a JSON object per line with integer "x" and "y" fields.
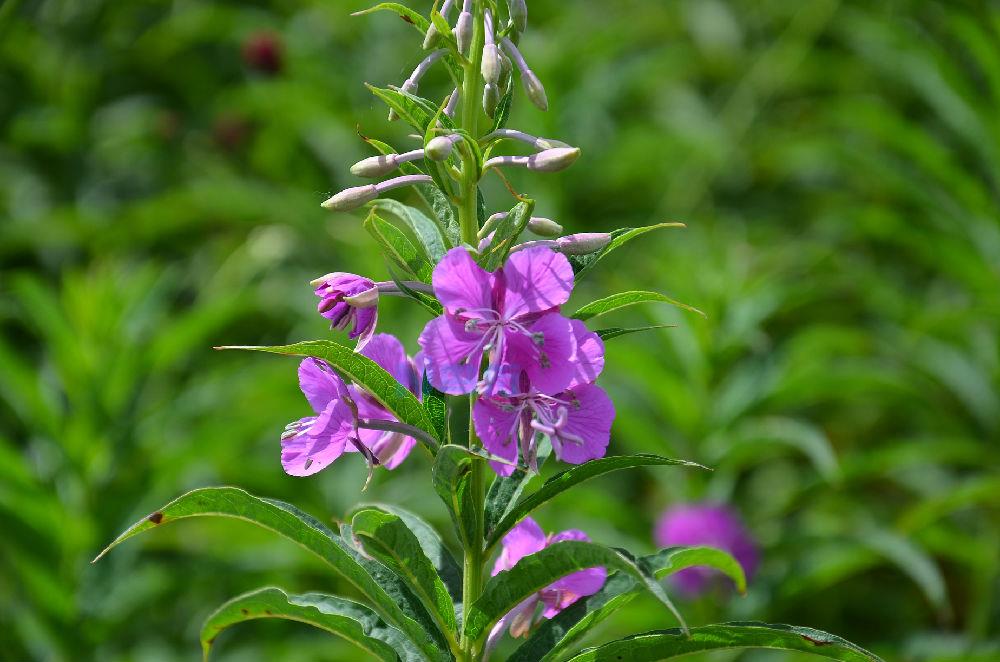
{"x": 553, "y": 636}
{"x": 667, "y": 644}
{"x": 386, "y": 537}
{"x": 534, "y": 572}
{"x": 398, "y": 248}
{"x": 413, "y": 18}
{"x": 566, "y": 479}
{"x": 623, "y": 299}
{"x": 417, "y": 111}
{"x": 506, "y": 490}
{"x": 430, "y": 542}
{"x": 389, "y": 597}
{"x": 506, "y": 233}
{"x": 426, "y": 231}
{"x": 615, "y": 331}
{"x": 354, "y": 622}
{"x": 365, "y": 373}
{"x": 502, "y": 114}
{"x": 436, "y": 407}
{"x": 426, "y": 301}
{"x": 452, "y": 478}
{"x": 584, "y": 263}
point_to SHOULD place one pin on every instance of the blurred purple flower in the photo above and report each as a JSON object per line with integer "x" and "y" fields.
{"x": 342, "y": 411}
{"x": 710, "y": 525}
{"x": 527, "y": 538}
{"x": 262, "y": 53}
{"x": 511, "y": 316}
{"x": 347, "y": 299}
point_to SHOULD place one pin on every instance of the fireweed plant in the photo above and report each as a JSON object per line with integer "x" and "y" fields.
{"x": 504, "y": 380}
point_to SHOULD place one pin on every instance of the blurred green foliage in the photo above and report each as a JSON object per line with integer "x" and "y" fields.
{"x": 837, "y": 164}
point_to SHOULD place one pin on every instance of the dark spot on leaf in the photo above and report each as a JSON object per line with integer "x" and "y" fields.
{"x": 210, "y": 641}
{"x": 406, "y": 18}
{"x": 156, "y": 517}
{"x": 815, "y": 642}
{"x": 245, "y": 611}
{"x": 268, "y": 612}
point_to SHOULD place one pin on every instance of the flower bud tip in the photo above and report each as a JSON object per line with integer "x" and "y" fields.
{"x": 351, "y": 198}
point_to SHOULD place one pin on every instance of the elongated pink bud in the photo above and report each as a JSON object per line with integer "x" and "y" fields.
{"x": 452, "y": 105}
{"x": 463, "y": 28}
{"x": 549, "y": 160}
{"x": 534, "y": 141}
{"x": 490, "y": 67}
{"x": 412, "y": 84}
{"x": 491, "y": 99}
{"x": 383, "y": 164}
{"x": 532, "y": 86}
{"x": 432, "y": 36}
{"x": 351, "y": 198}
{"x": 518, "y": 11}
{"x": 583, "y": 243}
{"x": 544, "y": 227}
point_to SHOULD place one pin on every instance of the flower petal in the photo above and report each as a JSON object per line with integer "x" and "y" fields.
{"x": 452, "y": 355}
{"x": 535, "y": 280}
{"x": 588, "y": 422}
{"x": 562, "y": 593}
{"x": 589, "y": 357}
{"x": 496, "y": 423}
{"x": 525, "y": 538}
{"x": 321, "y": 443}
{"x": 319, "y": 383}
{"x": 548, "y": 361}
{"x": 461, "y": 284}
{"x": 388, "y": 352}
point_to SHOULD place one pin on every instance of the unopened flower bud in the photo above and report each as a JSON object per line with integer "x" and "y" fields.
{"x": 432, "y": 36}
{"x": 544, "y": 227}
{"x": 583, "y": 243}
{"x": 518, "y": 11}
{"x": 532, "y": 86}
{"x": 351, "y": 198}
{"x": 463, "y": 28}
{"x": 491, "y": 64}
{"x": 491, "y": 99}
{"x": 439, "y": 148}
{"x": 553, "y": 160}
{"x": 383, "y": 164}
{"x": 452, "y": 105}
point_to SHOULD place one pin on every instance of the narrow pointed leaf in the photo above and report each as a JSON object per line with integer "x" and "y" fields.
{"x": 615, "y": 331}
{"x": 398, "y": 248}
{"x": 416, "y": 111}
{"x": 386, "y": 537}
{"x": 349, "y": 620}
{"x": 554, "y": 636}
{"x": 584, "y": 263}
{"x": 436, "y": 407}
{"x": 564, "y": 480}
{"x": 424, "y": 229}
{"x": 502, "y": 114}
{"x": 534, "y": 572}
{"x": 506, "y": 490}
{"x": 413, "y": 18}
{"x": 365, "y": 373}
{"x": 452, "y": 478}
{"x": 505, "y": 235}
{"x": 623, "y": 299}
{"x": 668, "y": 644}
{"x": 389, "y": 597}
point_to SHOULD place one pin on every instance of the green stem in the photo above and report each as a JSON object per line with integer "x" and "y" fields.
{"x": 468, "y": 216}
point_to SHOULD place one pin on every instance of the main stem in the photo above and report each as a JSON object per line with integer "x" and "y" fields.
{"x": 468, "y": 217}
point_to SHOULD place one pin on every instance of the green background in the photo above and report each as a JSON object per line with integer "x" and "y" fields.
{"x": 837, "y": 165}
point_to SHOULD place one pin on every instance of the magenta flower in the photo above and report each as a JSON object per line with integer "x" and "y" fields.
{"x": 527, "y": 538}
{"x": 711, "y": 525}
{"x": 576, "y": 421}
{"x": 343, "y": 413}
{"x": 347, "y": 299}
{"x": 510, "y": 315}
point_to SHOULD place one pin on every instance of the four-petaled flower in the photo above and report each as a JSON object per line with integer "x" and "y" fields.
{"x": 347, "y": 299}
{"x": 312, "y": 443}
{"x": 713, "y": 525}
{"x": 510, "y": 316}
{"x": 527, "y": 538}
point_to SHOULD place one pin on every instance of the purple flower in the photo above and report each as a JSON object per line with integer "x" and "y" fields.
{"x": 510, "y": 315}
{"x": 576, "y": 421}
{"x": 527, "y": 538}
{"x": 711, "y": 525}
{"x": 336, "y": 304}
{"x": 312, "y": 443}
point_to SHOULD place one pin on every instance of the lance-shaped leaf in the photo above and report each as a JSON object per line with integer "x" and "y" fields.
{"x": 506, "y": 490}
{"x": 554, "y": 636}
{"x": 424, "y": 229}
{"x": 417, "y": 111}
{"x": 505, "y": 235}
{"x": 385, "y": 537}
{"x": 567, "y": 479}
{"x": 616, "y": 331}
{"x": 389, "y": 596}
{"x": 354, "y": 622}
{"x": 452, "y": 478}
{"x": 502, "y": 113}
{"x": 668, "y": 644}
{"x": 365, "y": 373}
{"x": 436, "y": 407}
{"x": 584, "y": 263}
{"x": 623, "y": 299}
{"x": 398, "y": 248}
{"x": 413, "y": 18}
{"x": 430, "y": 542}
{"x": 534, "y": 572}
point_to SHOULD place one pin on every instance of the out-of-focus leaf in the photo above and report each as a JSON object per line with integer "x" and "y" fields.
{"x": 413, "y": 18}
